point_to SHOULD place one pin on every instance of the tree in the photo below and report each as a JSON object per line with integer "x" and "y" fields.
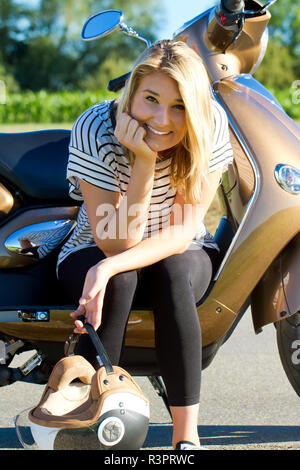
{"x": 41, "y": 42}
{"x": 281, "y": 65}
{"x": 277, "y": 70}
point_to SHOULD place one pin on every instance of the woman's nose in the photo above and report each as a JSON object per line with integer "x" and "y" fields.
{"x": 162, "y": 117}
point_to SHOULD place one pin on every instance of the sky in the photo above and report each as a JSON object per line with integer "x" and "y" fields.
{"x": 179, "y": 12}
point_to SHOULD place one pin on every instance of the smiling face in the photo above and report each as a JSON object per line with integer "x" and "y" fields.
{"x": 158, "y": 107}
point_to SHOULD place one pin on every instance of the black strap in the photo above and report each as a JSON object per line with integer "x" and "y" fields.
{"x": 102, "y": 357}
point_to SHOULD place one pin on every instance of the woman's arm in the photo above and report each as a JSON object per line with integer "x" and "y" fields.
{"x": 111, "y": 215}
{"x": 171, "y": 240}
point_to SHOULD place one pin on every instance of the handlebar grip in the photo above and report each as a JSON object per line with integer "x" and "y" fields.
{"x": 233, "y": 6}
{"x": 118, "y": 83}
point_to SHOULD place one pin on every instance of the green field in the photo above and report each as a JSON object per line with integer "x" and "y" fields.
{"x": 29, "y": 127}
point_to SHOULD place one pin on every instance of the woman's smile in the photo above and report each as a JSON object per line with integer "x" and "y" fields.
{"x": 156, "y": 132}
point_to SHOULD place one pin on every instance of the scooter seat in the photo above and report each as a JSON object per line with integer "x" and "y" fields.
{"x": 35, "y": 162}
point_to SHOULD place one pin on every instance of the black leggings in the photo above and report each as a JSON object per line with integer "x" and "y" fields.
{"x": 174, "y": 285}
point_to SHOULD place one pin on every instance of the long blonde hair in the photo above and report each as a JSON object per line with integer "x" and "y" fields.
{"x": 190, "y": 158}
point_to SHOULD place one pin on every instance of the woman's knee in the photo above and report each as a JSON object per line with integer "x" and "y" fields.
{"x": 125, "y": 281}
{"x": 170, "y": 270}
{"x": 190, "y": 271}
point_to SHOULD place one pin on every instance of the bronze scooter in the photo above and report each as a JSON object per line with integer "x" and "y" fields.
{"x": 259, "y": 234}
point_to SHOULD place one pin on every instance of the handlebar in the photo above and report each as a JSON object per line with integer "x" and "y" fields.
{"x": 118, "y": 83}
{"x": 235, "y": 9}
{"x": 233, "y": 6}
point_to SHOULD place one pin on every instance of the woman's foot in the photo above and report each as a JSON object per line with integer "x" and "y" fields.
{"x": 187, "y": 445}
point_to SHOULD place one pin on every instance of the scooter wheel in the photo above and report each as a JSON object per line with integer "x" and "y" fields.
{"x": 288, "y": 341}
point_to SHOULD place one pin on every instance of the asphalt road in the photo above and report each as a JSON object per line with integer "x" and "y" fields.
{"x": 246, "y": 403}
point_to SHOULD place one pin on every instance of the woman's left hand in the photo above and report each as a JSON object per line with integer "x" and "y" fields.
{"x": 91, "y": 301}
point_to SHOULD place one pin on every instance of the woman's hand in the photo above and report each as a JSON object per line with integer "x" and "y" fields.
{"x": 131, "y": 134}
{"x": 91, "y": 301}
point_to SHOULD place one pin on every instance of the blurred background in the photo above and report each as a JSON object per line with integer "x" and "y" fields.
{"x": 50, "y": 75}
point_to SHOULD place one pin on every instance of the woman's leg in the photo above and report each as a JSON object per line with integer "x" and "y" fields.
{"x": 178, "y": 282}
{"x": 117, "y": 302}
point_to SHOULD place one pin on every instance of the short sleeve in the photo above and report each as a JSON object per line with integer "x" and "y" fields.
{"x": 222, "y": 153}
{"x": 91, "y": 155}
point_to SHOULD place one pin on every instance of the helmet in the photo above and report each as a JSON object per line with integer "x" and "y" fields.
{"x": 85, "y": 409}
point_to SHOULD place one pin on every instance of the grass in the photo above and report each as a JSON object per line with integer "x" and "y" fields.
{"x": 29, "y": 127}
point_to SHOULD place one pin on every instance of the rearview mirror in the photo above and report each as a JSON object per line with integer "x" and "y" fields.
{"x": 106, "y": 22}
{"x": 101, "y": 24}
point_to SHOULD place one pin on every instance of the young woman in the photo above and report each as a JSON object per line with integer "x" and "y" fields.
{"x": 147, "y": 168}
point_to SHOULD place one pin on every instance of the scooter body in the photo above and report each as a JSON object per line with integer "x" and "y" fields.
{"x": 258, "y": 235}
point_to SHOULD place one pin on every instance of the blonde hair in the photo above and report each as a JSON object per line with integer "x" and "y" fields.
{"x": 190, "y": 158}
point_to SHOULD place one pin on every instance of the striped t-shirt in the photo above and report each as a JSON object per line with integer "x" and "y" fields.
{"x": 97, "y": 157}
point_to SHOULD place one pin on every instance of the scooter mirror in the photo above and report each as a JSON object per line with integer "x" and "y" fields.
{"x": 101, "y": 24}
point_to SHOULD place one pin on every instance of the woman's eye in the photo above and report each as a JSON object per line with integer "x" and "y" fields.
{"x": 180, "y": 107}
{"x": 151, "y": 98}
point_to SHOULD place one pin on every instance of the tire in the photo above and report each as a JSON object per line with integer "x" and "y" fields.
{"x": 288, "y": 341}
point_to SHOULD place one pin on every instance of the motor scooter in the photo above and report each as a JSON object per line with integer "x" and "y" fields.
{"x": 258, "y": 235}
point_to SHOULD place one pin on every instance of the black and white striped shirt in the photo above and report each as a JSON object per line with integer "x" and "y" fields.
{"x": 97, "y": 158}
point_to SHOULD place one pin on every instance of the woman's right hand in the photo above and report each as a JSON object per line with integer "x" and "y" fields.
{"x": 131, "y": 134}
{"x": 91, "y": 301}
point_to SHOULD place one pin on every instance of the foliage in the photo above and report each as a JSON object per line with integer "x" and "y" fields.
{"x": 281, "y": 65}
{"x": 48, "y": 107}
{"x": 277, "y": 70}
{"x": 41, "y": 44}
{"x": 289, "y": 100}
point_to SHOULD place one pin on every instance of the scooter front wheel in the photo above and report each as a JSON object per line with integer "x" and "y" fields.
{"x": 288, "y": 341}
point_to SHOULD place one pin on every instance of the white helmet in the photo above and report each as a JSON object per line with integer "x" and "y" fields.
{"x": 85, "y": 409}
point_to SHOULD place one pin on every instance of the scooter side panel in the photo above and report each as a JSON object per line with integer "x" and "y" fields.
{"x": 273, "y": 219}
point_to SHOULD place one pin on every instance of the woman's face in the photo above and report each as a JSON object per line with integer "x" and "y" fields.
{"x": 158, "y": 107}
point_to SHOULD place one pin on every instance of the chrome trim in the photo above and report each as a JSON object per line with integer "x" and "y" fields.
{"x": 264, "y": 45}
{"x": 9, "y": 316}
{"x": 253, "y": 197}
{"x": 40, "y": 316}
{"x": 32, "y": 363}
{"x": 38, "y": 240}
{"x": 131, "y": 32}
{"x": 256, "y": 86}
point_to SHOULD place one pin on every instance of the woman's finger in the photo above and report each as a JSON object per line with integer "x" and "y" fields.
{"x": 79, "y": 327}
{"x": 79, "y": 311}
{"x": 122, "y": 125}
{"x": 132, "y": 128}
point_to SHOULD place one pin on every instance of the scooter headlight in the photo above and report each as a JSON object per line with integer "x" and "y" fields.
{"x": 288, "y": 178}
